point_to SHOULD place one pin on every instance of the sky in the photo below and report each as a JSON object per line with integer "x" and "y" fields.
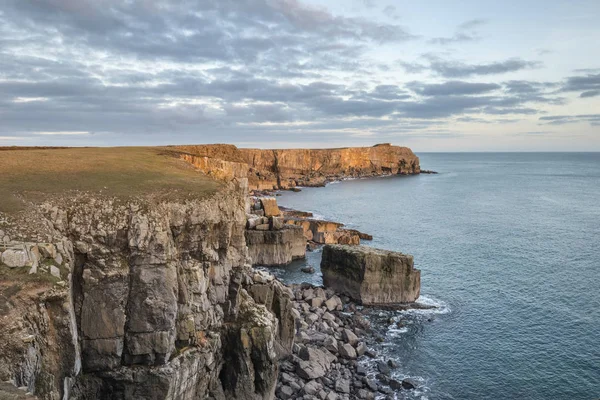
{"x": 433, "y": 75}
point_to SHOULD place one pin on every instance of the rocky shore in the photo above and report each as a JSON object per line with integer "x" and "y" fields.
{"x": 156, "y": 298}
{"x": 332, "y": 357}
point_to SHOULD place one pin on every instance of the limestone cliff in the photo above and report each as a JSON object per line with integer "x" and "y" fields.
{"x": 140, "y": 299}
{"x": 371, "y": 276}
{"x": 288, "y": 168}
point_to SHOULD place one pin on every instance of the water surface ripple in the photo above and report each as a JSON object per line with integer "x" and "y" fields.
{"x": 510, "y": 245}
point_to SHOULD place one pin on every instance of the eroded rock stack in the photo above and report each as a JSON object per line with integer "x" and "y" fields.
{"x": 270, "y": 241}
{"x": 371, "y": 276}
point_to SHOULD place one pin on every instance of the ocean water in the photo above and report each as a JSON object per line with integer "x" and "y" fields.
{"x": 509, "y": 249}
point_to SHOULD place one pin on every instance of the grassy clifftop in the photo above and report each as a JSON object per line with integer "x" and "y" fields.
{"x": 33, "y": 174}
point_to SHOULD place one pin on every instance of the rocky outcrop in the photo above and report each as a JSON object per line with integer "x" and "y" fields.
{"x": 276, "y": 247}
{"x": 271, "y": 242}
{"x": 289, "y": 168}
{"x": 370, "y": 276}
{"x": 141, "y": 299}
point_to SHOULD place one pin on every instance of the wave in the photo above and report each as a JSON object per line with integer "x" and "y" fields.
{"x": 439, "y": 307}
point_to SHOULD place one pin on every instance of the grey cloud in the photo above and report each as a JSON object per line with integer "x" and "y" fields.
{"x": 455, "y": 69}
{"x": 593, "y": 119}
{"x": 465, "y": 32}
{"x": 588, "y": 84}
{"x": 590, "y": 93}
{"x": 452, "y": 88}
{"x": 197, "y": 68}
{"x": 458, "y": 69}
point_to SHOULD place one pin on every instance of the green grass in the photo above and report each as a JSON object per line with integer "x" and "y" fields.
{"x": 34, "y": 174}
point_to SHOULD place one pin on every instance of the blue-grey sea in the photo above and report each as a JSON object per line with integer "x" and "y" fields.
{"x": 509, "y": 249}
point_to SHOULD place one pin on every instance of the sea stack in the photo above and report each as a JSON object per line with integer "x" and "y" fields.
{"x": 371, "y": 276}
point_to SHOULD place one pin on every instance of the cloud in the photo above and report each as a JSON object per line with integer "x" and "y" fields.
{"x": 592, "y": 119}
{"x": 589, "y": 85}
{"x": 452, "y": 88}
{"x": 455, "y": 69}
{"x": 458, "y": 69}
{"x": 465, "y": 32}
{"x": 272, "y": 70}
{"x": 590, "y": 93}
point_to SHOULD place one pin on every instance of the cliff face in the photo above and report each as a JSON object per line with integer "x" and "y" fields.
{"x": 269, "y": 169}
{"x": 137, "y": 299}
{"x": 371, "y": 276}
{"x": 313, "y": 167}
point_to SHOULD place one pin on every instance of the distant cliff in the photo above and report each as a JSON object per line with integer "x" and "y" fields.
{"x": 288, "y": 168}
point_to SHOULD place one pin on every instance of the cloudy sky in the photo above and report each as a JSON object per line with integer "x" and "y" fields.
{"x": 434, "y": 75}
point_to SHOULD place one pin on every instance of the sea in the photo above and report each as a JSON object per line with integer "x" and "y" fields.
{"x": 508, "y": 245}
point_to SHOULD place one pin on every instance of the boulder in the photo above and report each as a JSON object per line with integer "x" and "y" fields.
{"x": 313, "y": 363}
{"x": 408, "y": 384}
{"x": 350, "y": 337}
{"x": 347, "y": 351}
{"x": 370, "y": 276}
{"x": 269, "y": 205}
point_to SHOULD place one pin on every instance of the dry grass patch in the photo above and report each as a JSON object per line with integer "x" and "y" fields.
{"x": 36, "y": 173}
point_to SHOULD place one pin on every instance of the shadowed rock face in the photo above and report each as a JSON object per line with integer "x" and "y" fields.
{"x": 150, "y": 300}
{"x": 369, "y": 275}
{"x": 276, "y": 247}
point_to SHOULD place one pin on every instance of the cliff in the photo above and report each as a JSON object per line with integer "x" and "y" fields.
{"x": 371, "y": 276}
{"x": 126, "y": 272}
{"x": 288, "y": 168}
{"x": 151, "y": 296}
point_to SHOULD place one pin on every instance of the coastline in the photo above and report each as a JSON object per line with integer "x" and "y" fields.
{"x": 95, "y": 251}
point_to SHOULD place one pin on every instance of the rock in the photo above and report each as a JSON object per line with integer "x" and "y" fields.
{"x": 54, "y": 271}
{"x": 308, "y": 269}
{"x": 392, "y": 364}
{"x": 262, "y": 227}
{"x": 253, "y": 222}
{"x": 286, "y": 392}
{"x": 16, "y": 258}
{"x": 395, "y": 385}
{"x": 328, "y": 317}
{"x": 365, "y": 394}
{"x": 316, "y": 302}
{"x": 333, "y": 303}
{"x": 342, "y": 386}
{"x": 331, "y": 344}
{"x": 311, "y": 318}
{"x": 383, "y": 368}
{"x": 332, "y": 396}
{"x": 276, "y": 223}
{"x": 347, "y": 351}
{"x": 269, "y": 205}
{"x": 360, "y": 370}
{"x": 275, "y": 248}
{"x": 370, "y": 276}
{"x": 312, "y": 388}
{"x": 371, "y": 384}
{"x": 313, "y": 363}
{"x": 361, "y": 349}
{"x": 350, "y": 337}
{"x": 409, "y": 384}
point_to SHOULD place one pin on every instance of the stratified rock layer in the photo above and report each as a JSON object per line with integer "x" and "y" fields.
{"x": 288, "y": 168}
{"x": 141, "y": 300}
{"x": 276, "y": 247}
{"x": 371, "y": 276}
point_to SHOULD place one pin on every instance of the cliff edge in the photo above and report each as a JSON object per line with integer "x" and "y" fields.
{"x": 289, "y": 168}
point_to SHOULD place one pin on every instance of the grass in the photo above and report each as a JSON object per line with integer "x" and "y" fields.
{"x": 34, "y": 174}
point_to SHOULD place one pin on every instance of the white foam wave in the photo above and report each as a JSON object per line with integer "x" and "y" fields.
{"x": 439, "y": 307}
